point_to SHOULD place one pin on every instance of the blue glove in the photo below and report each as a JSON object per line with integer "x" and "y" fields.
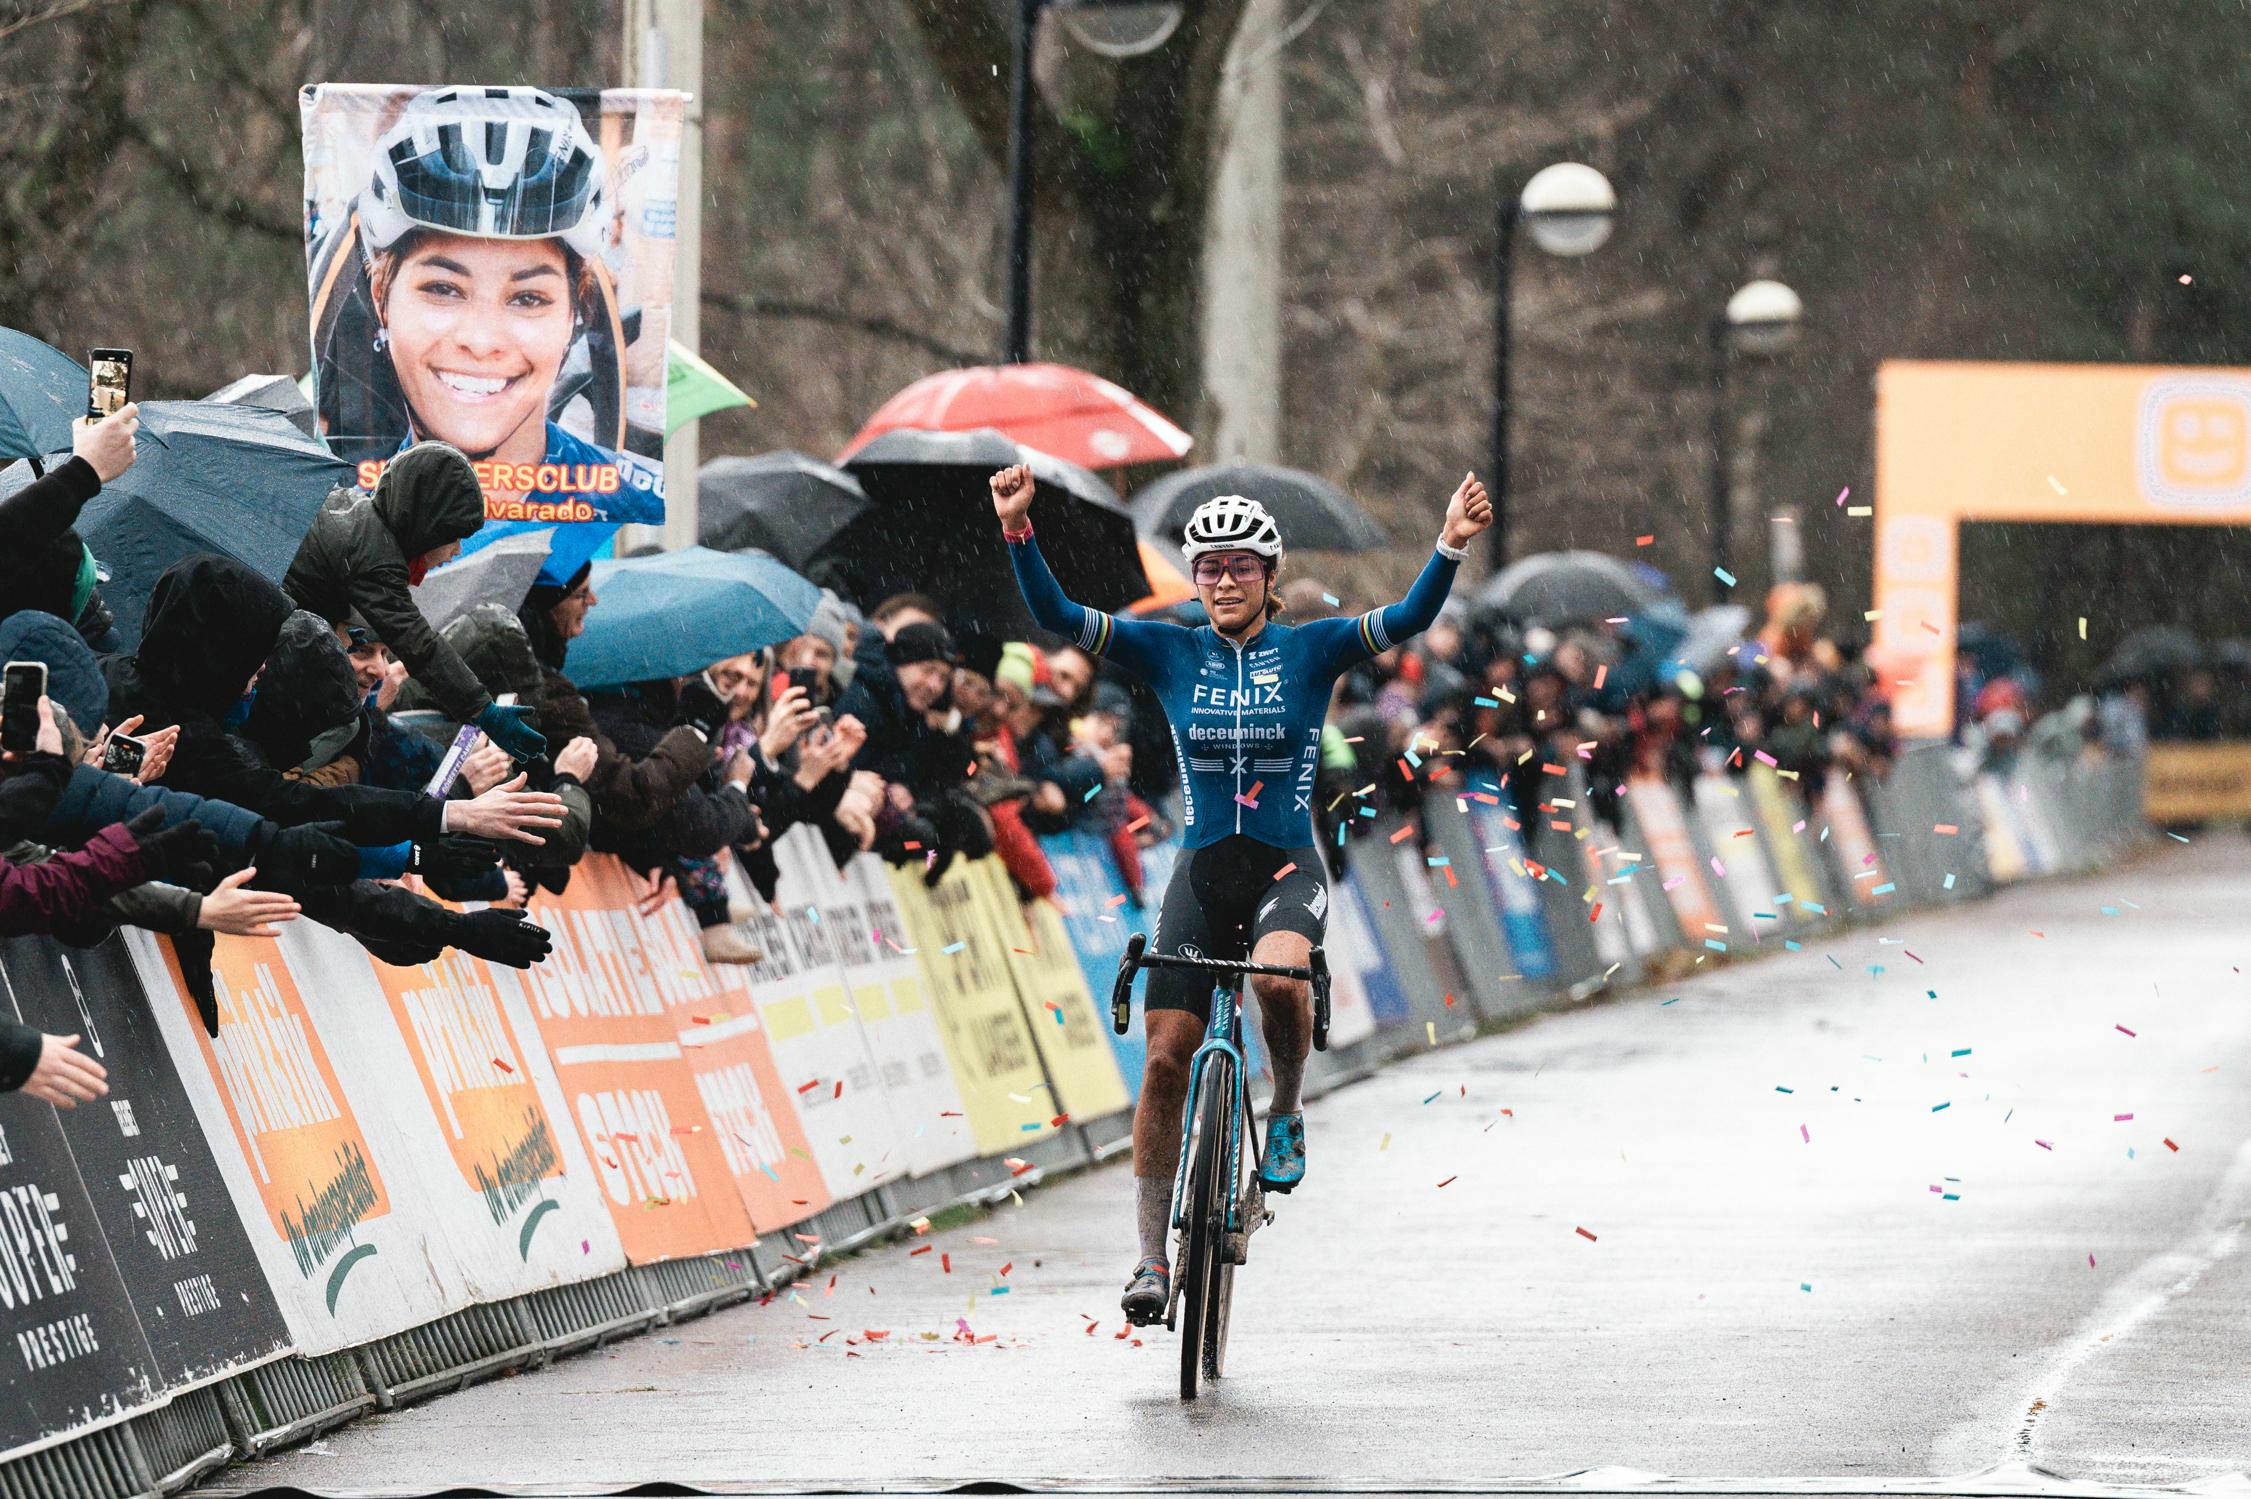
{"x": 509, "y": 728}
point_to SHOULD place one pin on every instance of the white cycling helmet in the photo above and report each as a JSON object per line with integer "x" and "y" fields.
{"x": 1231, "y": 523}
{"x": 497, "y": 163}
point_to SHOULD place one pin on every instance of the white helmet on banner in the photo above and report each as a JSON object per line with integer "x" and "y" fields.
{"x": 496, "y": 163}
{"x": 1231, "y": 523}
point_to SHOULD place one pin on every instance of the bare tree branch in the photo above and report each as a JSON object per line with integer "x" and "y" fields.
{"x": 873, "y": 324}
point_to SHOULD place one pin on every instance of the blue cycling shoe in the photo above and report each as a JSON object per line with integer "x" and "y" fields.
{"x": 1283, "y": 1165}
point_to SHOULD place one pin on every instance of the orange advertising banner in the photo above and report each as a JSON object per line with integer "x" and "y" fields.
{"x": 1672, "y": 848}
{"x": 760, "y": 1132}
{"x": 600, "y": 1003}
{"x": 289, "y": 1112}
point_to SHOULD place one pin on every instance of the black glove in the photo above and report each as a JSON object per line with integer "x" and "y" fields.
{"x": 315, "y": 854}
{"x": 498, "y": 937}
{"x": 179, "y": 855}
{"x": 193, "y": 949}
{"x": 460, "y": 867}
{"x": 701, "y": 709}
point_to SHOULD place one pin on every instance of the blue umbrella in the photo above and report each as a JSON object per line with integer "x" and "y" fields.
{"x": 237, "y": 480}
{"x": 42, "y": 390}
{"x": 672, "y": 613}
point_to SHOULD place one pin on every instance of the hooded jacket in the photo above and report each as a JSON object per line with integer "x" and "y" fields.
{"x": 493, "y": 643}
{"x": 308, "y": 690}
{"x": 631, "y": 790}
{"x": 210, "y": 625}
{"x": 74, "y": 681}
{"x": 357, "y": 556}
{"x": 703, "y": 819}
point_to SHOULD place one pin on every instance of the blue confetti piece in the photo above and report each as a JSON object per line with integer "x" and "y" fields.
{"x": 1724, "y": 576}
{"x": 953, "y": 947}
{"x": 1965, "y": 1051}
{"x": 1815, "y": 907}
{"x": 1486, "y": 702}
{"x": 1673, "y": 1001}
{"x": 1885, "y": 888}
{"x": 1946, "y": 1105}
{"x": 1331, "y": 600}
{"x": 1780, "y": 1089}
{"x": 1792, "y": 944}
{"x": 1949, "y": 882}
{"x": 1715, "y": 944}
{"x": 1438, "y": 863}
{"x": 1091, "y": 793}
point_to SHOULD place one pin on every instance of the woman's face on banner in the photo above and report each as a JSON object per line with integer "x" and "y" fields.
{"x": 478, "y": 331}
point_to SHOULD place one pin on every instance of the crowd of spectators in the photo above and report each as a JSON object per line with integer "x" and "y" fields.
{"x": 316, "y": 749}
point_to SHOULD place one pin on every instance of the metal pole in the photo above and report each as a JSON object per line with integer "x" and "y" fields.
{"x": 1020, "y": 185}
{"x": 1721, "y": 549}
{"x": 1504, "y": 261}
{"x": 664, "y": 49}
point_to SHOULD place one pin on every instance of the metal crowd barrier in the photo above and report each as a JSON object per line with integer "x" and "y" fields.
{"x": 1452, "y": 947}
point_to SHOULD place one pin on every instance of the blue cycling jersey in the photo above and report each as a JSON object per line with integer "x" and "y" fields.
{"x": 1245, "y": 718}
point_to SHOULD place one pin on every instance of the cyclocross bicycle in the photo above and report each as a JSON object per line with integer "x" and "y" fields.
{"x": 1217, "y": 1202}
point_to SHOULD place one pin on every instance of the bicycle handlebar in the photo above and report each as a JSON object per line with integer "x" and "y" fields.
{"x": 1315, "y": 972}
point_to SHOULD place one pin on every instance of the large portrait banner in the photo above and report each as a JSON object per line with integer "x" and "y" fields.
{"x": 492, "y": 267}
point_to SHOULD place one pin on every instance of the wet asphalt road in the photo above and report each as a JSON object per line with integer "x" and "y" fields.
{"x": 1879, "y": 1274}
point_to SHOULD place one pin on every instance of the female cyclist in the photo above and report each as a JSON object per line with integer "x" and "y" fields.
{"x": 1245, "y": 697}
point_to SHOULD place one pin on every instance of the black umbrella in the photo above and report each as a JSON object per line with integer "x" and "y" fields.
{"x": 42, "y": 390}
{"x": 237, "y": 480}
{"x": 931, "y": 530}
{"x": 1558, "y": 588}
{"x": 2153, "y": 651}
{"x": 1314, "y": 514}
{"x": 788, "y": 503}
{"x": 273, "y": 393}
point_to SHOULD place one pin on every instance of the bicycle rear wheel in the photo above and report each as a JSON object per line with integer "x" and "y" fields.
{"x": 1203, "y": 1250}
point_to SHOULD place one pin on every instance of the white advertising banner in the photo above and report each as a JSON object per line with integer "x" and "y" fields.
{"x": 327, "y": 1190}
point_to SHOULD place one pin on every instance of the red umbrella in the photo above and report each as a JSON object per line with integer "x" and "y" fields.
{"x": 1070, "y": 413}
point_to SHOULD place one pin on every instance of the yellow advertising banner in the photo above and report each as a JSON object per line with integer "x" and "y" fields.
{"x": 1782, "y": 818}
{"x": 2197, "y": 782}
{"x": 994, "y": 1059}
{"x": 1053, "y": 988}
{"x": 2111, "y": 444}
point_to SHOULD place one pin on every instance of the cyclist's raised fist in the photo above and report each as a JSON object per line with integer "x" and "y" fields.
{"x": 1012, "y": 496}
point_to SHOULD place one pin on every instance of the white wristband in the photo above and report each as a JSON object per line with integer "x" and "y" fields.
{"x": 1452, "y": 554}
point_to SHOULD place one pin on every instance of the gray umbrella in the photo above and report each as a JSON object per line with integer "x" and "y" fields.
{"x": 2153, "y": 651}
{"x": 500, "y": 572}
{"x": 273, "y": 393}
{"x": 1558, "y": 588}
{"x": 787, "y": 503}
{"x": 1314, "y": 514}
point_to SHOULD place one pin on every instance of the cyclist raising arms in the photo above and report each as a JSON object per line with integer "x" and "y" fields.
{"x": 1245, "y": 697}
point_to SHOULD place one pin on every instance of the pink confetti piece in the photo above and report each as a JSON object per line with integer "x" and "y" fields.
{"x": 2044, "y": 1145}
{"x": 1805, "y": 1135}
{"x": 1718, "y": 868}
{"x": 2121, "y": 1028}
{"x": 1842, "y": 493}
{"x": 2120, "y": 1118}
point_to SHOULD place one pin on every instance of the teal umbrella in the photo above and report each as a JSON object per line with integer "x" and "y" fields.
{"x": 672, "y": 613}
{"x": 237, "y": 480}
{"x": 42, "y": 390}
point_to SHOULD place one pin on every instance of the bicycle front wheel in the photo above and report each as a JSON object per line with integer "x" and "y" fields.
{"x": 1203, "y": 1248}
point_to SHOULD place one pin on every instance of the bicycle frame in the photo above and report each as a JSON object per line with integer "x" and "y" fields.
{"x": 1223, "y": 1036}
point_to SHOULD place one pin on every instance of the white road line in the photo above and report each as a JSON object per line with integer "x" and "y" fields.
{"x": 2136, "y": 1299}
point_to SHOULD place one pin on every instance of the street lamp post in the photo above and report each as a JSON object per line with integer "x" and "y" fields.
{"x": 1570, "y": 209}
{"x": 1114, "y": 28}
{"x": 1761, "y": 318}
